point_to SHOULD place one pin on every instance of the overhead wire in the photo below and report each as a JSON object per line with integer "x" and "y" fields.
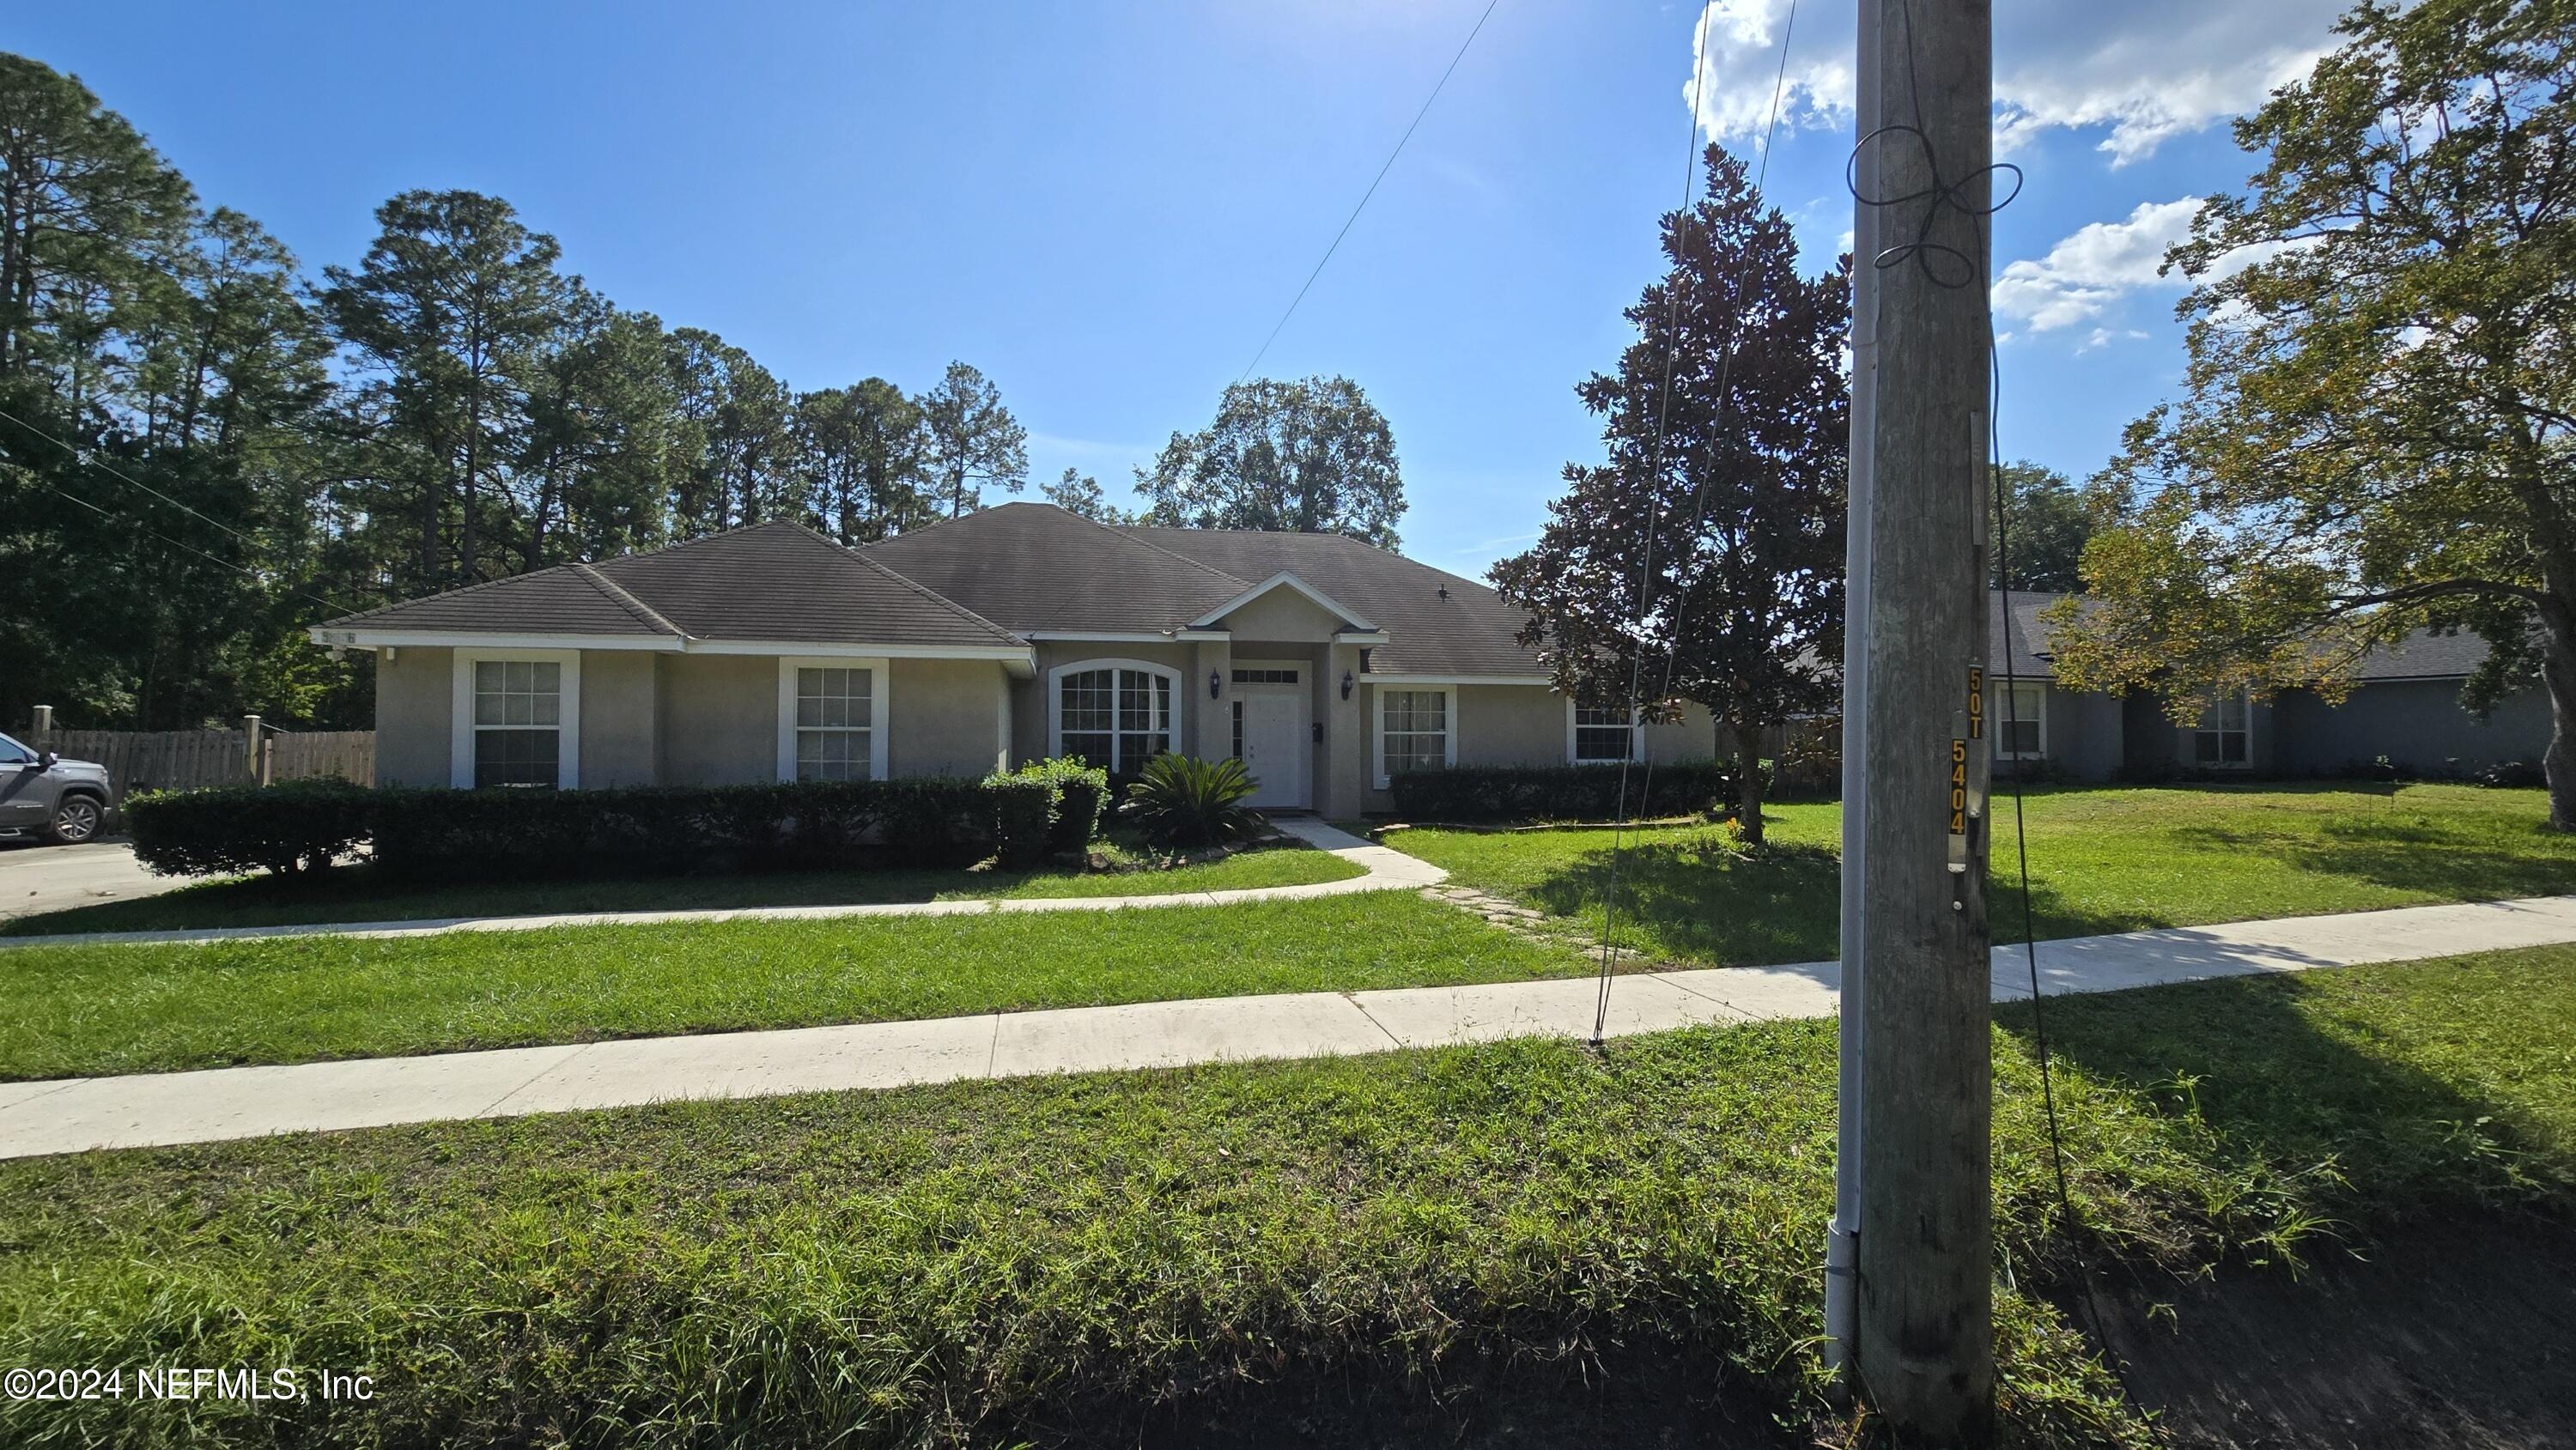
{"x": 1663, "y": 413}
{"x": 1382, "y": 170}
{"x": 77, "y": 452}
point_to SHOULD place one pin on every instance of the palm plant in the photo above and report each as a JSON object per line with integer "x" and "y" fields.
{"x": 1181, "y": 800}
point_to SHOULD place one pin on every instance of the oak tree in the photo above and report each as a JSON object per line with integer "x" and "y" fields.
{"x": 1703, "y": 558}
{"x": 2378, "y": 432}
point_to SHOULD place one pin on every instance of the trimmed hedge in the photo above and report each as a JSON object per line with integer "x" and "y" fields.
{"x": 1486, "y": 794}
{"x": 1081, "y": 798}
{"x": 1023, "y": 805}
{"x": 298, "y": 825}
{"x": 506, "y": 834}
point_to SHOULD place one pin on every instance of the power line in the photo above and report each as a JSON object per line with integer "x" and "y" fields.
{"x": 75, "y": 451}
{"x": 241, "y": 569}
{"x": 1655, "y": 468}
{"x": 1372, "y": 190}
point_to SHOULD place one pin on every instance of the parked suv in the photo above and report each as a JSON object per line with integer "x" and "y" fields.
{"x": 64, "y": 801}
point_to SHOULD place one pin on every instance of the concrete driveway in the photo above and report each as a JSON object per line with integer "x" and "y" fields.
{"x": 37, "y": 878}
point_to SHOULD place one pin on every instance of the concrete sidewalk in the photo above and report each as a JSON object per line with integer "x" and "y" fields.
{"x": 1387, "y": 869}
{"x": 193, "y": 1107}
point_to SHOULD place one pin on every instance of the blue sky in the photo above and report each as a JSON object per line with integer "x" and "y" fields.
{"x": 1106, "y": 206}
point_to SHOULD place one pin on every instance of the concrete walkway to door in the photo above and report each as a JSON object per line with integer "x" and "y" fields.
{"x": 1386, "y": 870}
{"x": 247, "y": 1102}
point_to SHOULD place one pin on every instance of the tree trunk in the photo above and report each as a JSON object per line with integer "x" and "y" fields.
{"x": 1748, "y": 783}
{"x": 2558, "y": 671}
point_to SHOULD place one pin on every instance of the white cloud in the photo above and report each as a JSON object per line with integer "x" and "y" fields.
{"x": 2103, "y": 337}
{"x": 2147, "y": 73}
{"x": 2100, "y": 263}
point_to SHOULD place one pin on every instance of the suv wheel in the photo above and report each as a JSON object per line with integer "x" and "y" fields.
{"x": 75, "y": 820}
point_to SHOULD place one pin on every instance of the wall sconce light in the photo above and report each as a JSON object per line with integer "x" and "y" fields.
{"x": 1216, "y": 684}
{"x": 1347, "y": 683}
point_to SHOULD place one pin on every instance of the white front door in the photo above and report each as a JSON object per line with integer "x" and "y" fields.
{"x": 1270, "y": 724}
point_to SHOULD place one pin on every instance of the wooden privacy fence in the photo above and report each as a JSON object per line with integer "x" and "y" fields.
{"x": 192, "y": 759}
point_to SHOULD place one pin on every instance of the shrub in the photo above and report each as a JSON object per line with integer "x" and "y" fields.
{"x": 1181, "y": 800}
{"x": 1081, "y": 795}
{"x": 2514, "y": 773}
{"x": 514, "y": 834}
{"x": 299, "y": 825}
{"x": 1023, "y": 805}
{"x": 1510, "y": 794}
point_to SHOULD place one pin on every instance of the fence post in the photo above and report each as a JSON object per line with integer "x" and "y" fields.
{"x": 42, "y": 726}
{"x": 250, "y": 747}
{"x": 267, "y": 758}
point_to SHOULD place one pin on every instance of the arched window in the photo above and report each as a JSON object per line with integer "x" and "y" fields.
{"x": 1115, "y": 714}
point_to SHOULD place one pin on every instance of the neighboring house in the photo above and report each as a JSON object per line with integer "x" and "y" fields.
{"x": 2404, "y": 708}
{"x": 771, "y": 653}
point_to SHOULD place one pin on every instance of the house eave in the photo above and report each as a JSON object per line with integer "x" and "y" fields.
{"x": 1285, "y": 579}
{"x": 1017, "y": 659}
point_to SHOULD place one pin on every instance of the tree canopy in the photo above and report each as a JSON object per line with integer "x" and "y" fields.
{"x": 1312, "y": 456}
{"x": 1725, "y": 429}
{"x": 2379, "y": 427}
{"x": 2041, "y": 532}
{"x": 202, "y": 451}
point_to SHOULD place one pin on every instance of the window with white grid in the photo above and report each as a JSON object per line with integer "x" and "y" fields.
{"x": 2224, "y": 739}
{"x": 835, "y": 722}
{"x": 1414, "y": 731}
{"x": 518, "y": 723}
{"x": 1604, "y": 734}
{"x": 1114, "y": 717}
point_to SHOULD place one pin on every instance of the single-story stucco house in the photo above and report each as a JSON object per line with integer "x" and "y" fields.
{"x": 1024, "y": 631}
{"x": 1012, "y": 634}
{"x": 2404, "y": 707}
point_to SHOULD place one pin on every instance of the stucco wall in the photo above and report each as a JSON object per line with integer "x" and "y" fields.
{"x": 2418, "y": 724}
{"x": 946, "y": 717}
{"x": 1510, "y": 725}
{"x": 2085, "y": 733}
{"x": 415, "y": 714}
{"x": 718, "y": 719}
{"x": 620, "y": 724}
{"x": 1282, "y": 614}
{"x": 1503, "y": 725}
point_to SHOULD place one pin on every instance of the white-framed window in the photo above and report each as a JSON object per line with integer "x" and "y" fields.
{"x": 2017, "y": 720}
{"x": 2224, "y": 738}
{"x": 1602, "y": 734}
{"x": 1416, "y": 729}
{"x": 517, "y": 719}
{"x": 831, "y": 718}
{"x": 1115, "y": 714}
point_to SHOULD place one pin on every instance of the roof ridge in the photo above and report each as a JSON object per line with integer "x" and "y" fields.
{"x": 908, "y": 582}
{"x": 1123, "y": 534}
{"x": 626, "y": 597}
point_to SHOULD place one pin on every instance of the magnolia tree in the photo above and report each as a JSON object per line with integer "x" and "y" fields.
{"x": 1704, "y": 558}
{"x": 2375, "y": 432}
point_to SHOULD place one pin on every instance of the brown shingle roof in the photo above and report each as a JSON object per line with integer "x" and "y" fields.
{"x": 1469, "y": 632}
{"x": 1033, "y": 566}
{"x": 775, "y": 581}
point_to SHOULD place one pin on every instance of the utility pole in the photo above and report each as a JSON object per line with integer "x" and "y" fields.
{"x": 1922, "y": 1342}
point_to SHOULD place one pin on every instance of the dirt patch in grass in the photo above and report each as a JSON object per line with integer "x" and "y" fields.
{"x": 2437, "y": 1335}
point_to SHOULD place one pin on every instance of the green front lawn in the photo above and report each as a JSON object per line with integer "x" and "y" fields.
{"x": 975, "y": 1262}
{"x": 2101, "y": 860}
{"x": 358, "y": 893}
{"x": 79, "y": 1010}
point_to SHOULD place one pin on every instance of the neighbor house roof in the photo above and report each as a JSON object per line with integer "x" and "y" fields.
{"x": 2422, "y": 655}
{"x": 777, "y": 582}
